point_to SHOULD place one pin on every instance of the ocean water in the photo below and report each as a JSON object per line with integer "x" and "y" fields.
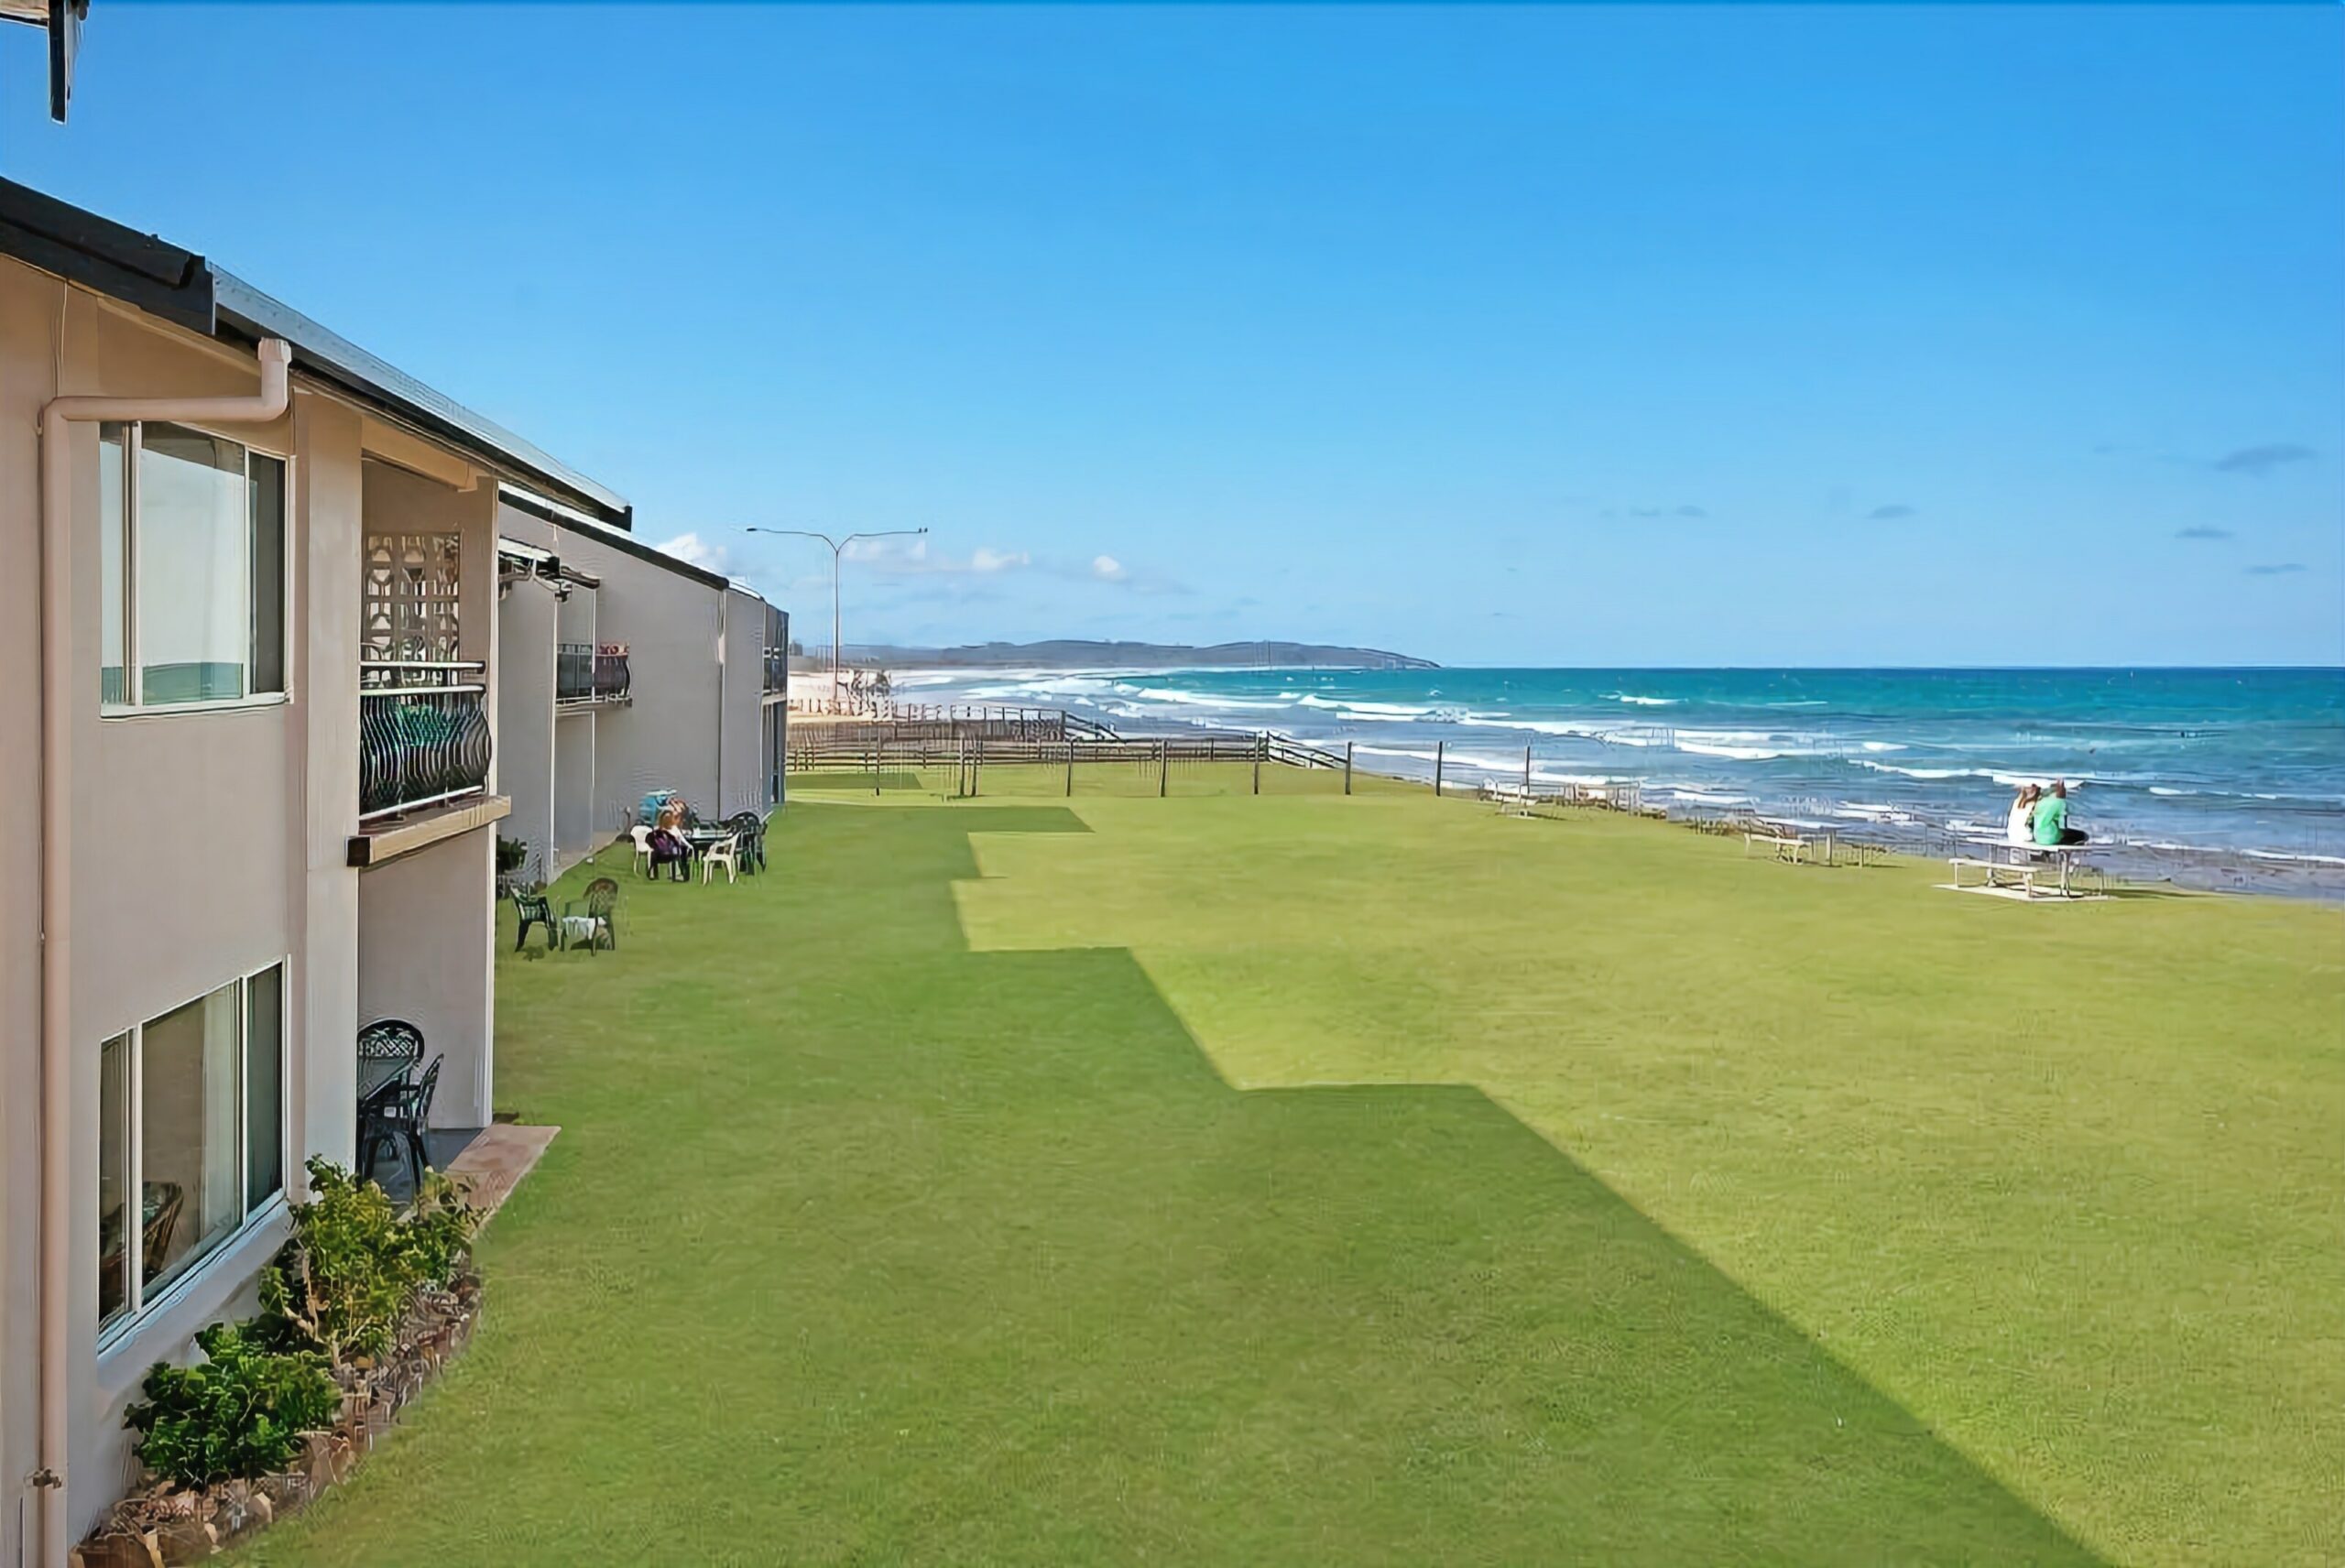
{"x": 2216, "y": 777}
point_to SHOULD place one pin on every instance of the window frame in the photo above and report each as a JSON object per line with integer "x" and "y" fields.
{"x": 133, "y": 674}
{"x": 138, "y": 1307}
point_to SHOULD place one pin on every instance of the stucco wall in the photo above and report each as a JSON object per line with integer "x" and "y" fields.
{"x": 525, "y": 740}
{"x": 205, "y": 844}
{"x": 195, "y": 854}
{"x": 426, "y": 921}
{"x": 27, "y": 322}
{"x": 677, "y": 630}
{"x": 745, "y": 673}
{"x": 426, "y": 926}
{"x": 576, "y": 834}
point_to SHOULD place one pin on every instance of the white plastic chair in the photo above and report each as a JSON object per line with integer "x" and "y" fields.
{"x": 727, "y": 851}
{"x": 642, "y": 861}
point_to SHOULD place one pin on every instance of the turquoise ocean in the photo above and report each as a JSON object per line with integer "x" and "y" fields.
{"x": 2213, "y": 778}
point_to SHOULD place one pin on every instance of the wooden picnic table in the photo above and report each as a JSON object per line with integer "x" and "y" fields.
{"x": 2022, "y": 861}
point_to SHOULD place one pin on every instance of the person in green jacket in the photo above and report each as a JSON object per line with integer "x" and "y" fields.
{"x": 2052, "y": 818}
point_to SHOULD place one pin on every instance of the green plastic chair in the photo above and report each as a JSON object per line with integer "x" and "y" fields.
{"x": 600, "y": 905}
{"x": 535, "y": 909}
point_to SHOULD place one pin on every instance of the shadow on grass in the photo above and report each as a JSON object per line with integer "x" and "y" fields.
{"x": 862, "y": 1247}
{"x": 851, "y": 783}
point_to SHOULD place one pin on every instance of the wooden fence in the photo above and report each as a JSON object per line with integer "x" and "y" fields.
{"x": 971, "y": 756}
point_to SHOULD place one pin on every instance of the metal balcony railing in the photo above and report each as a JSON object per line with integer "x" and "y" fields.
{"x": 776, "y": 649}
{"x": 574, "y": 672}
{"x": 423, "y": 736}
{"x": 584, "y": 673}
{"x": 612, "y": 677}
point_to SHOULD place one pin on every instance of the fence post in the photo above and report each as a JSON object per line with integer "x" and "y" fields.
{"x": 978, "y": 769}
{"x": 1163, "y": 770}
{"x": 879, "y": 759}
{"x": 1070, "y": 771}
{"x": 1347, "y": 768}
{"x": 1526, "y": 775}
{"x": 1439, "y": 746}
{"x": 1262, "y": 744}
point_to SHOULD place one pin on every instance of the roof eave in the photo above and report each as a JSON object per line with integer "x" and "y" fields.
{"x": 246, "y": 312}
{"x": 177, "y": 286}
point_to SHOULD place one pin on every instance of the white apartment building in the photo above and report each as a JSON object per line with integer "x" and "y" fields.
{"x": 251, "y": 732}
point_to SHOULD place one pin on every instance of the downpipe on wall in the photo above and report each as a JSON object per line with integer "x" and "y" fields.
{"x": 49, "y": 1482}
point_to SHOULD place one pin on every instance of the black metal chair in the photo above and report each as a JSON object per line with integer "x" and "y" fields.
{"x": 751, "y": 829}
{"x": 389, "y": 1050}
{"x": 395, "y": 1115}
{"x": 535, "y": 909}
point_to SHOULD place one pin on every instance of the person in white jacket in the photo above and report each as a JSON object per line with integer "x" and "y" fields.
{"x": 2020, "y": 828}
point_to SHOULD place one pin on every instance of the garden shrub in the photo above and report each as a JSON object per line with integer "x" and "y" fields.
{"x": 238, "y": 1414}
{"x": 439, "y": 1232}
{"x": 353, "y": 1267}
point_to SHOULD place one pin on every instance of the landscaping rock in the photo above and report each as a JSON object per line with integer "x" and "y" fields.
{"x": 185, "y": 1541}
{"x": 118, "y": 1551}
{"x": 287, "y": 1495}
{"x": 165, "y": 1526}
{"x": 237, "y": 1510}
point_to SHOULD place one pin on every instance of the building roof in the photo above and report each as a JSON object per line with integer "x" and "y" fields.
{"x": 176, "y": 284}
{"x": 603, "y": 533}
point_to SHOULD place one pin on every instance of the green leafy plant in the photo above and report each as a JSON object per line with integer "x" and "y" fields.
{"x": 439, "y": 1232}
{"x": 511, "y": 853}
{"x": 239, "y": 1413}
{"x": 353, "y": 1265}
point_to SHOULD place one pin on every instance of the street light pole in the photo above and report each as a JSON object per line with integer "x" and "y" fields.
{"x": 838, "y": 549}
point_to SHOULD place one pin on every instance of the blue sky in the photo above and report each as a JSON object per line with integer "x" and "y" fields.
{"x": 1573, "y": 335}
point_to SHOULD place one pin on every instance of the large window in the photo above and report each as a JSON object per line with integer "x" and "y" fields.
{"x": 191, "y": 1119}
{"x": 191, "y": 552}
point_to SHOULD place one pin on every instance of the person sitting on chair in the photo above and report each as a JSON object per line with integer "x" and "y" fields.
{"x": 2052, "y": 818}
{"x": 669, "y": 845}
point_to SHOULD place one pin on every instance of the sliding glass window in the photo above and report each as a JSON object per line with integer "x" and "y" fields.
{"x": 192, "y": 566}
{"x": 191, "y": 1119}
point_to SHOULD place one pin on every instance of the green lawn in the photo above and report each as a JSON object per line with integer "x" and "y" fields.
{"x": 1305, "y": 1179}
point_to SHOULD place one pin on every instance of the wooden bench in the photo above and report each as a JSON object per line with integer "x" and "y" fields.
{"x": 1789, "y": 845}
{"x": 1511, "y": 799}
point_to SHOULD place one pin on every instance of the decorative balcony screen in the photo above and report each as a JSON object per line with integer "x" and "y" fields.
{"x": 412, "y": 582}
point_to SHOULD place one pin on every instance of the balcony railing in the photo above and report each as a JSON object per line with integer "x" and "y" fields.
{"x": 776, "y": 649}
{"x": 584, "y": 673}
{"x": 423, "y": 735}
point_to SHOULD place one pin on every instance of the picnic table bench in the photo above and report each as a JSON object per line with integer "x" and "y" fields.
{"x": 1511, "y": 799}
{"x": 1789, "y": 843}
{"x": 1796, "y": 841}
{"x": 2003, "y": 864}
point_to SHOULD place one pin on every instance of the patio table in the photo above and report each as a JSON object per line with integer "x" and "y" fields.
{"x": 699, "y": 839}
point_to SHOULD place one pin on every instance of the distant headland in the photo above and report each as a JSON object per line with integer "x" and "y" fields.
{"x": 1071, "y": 653}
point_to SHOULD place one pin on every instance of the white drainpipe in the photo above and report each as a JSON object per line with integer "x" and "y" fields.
{"x": 57, "y": 707}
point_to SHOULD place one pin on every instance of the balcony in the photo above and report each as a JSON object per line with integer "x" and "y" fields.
{"x": 423, "y": 738}
{"x": 585, "y": 673}
{"x": 777, "y": 652}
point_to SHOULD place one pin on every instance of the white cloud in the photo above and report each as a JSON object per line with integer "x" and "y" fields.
{"x": 690, "y": 549}
{"x": 896, "y": 558}
{"x": 1108, "y": 569}
{"x": 886, "y": 549}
